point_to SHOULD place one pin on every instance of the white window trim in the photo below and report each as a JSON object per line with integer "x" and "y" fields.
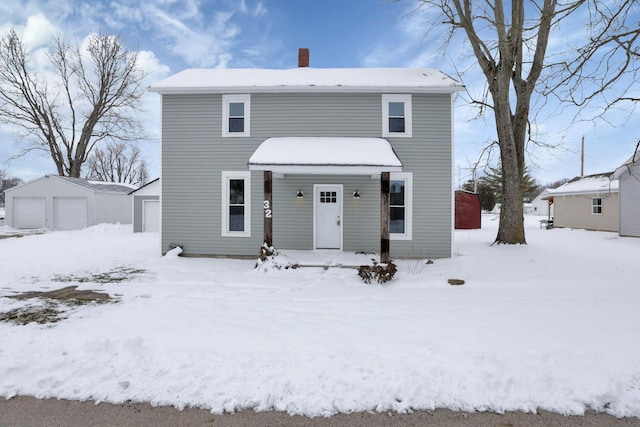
{"x": 408, "y": 113}
{"x": 407, "y": 177}
{"x": 226, "y": 100}
{"x": 593, "y": 206}
{"x": 226, "y": 177}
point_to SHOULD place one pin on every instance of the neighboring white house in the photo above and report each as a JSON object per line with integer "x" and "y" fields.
{"x": 146, "y": 207}
{"x": 629, "y": 176}
{"x": 540, "y": 205}
{"x": 527, "y": 208}
{"x": 64, "y": 203}
{"x": 589, "y": 202}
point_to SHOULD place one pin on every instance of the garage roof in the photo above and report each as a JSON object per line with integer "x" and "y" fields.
{"x": 97, "y": 186}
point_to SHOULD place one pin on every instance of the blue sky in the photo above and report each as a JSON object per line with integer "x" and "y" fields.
{"x": 176, "y": 34}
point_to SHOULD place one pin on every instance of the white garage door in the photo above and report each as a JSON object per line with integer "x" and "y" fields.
{"x": 29, "y": 212}
{"x": 69, "y": 213}
{"x": 150, "y": 215}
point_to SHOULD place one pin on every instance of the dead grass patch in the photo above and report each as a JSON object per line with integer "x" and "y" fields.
{"x": 53, "y": 305}
{"x": 116, "y": 275}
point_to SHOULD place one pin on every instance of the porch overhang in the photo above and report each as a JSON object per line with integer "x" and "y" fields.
{"x": 325, "y": 156}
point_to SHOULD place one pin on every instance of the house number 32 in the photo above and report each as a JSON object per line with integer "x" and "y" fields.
{"x": 267, "y": 209}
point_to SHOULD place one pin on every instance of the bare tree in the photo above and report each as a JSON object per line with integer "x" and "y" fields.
{"x": 89, "y": 95}
{"x": 118, "y": 162}
{"x": 607, "y": 66}
{"x": 6, "y": 183}
{"x": 509, "y": 40}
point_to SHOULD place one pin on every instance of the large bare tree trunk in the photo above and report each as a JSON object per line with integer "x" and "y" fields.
{"x": 502, "y": 63}
{"x": 511, "y": 228}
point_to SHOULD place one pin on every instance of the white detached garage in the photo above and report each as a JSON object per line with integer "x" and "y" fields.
{"x": 64, "y": 203}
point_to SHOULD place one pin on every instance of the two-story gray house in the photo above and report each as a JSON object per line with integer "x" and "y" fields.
{"x": 305, "y": 159}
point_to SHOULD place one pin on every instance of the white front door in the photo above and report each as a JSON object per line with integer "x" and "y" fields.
{"x": 328, "y": 211}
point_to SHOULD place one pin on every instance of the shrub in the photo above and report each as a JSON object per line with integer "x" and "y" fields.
{"x": 270, "y": 259}
{"x": 382, "y": 273}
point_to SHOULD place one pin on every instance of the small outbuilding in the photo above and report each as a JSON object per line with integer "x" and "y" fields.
{"x": 468, "y": 211}
{"x": 146, "y": 207}
{"x": 540, "y": 205}
{"x": 590, "y": 202}
{"x": 629, "y": 177}
{"x": 64, "y": 203}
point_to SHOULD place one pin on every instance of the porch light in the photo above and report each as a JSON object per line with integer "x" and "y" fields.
{"x": 356, "y": 194}
{"x": 300, "y": 194}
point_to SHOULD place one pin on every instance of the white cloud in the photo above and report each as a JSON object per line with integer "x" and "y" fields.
{"x": 39, "y": 31}
{"x": 152, "y": 65}
{"x": 197, "y": 46}
{"x": 242, "y": 7}
{"x": 260, "y": 10}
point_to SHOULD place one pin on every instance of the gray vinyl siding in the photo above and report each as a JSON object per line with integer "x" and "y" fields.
{"x": 429, "y": 156}
{"x": 630, "y": 201}
{"x": 194, "y": 154}
{"x": 293, "y": 218}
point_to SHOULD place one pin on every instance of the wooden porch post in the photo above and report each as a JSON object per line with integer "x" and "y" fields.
{"x": 384, "y": 217}
{"x": 268, "y": 209}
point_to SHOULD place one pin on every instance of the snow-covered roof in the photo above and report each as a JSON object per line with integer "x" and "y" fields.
{"x": 625, "y": 166}
{"x": 305, "y": 79}
{"x": 151, "y": 188}
{"x": 98, "y": 186}
{"x": 591, "y": 184}
{"x": 542, "y": 195}
{"x": 352, "y": 156}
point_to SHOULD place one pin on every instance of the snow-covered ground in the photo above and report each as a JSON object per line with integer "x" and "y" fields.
{"x": 554, "y": 325}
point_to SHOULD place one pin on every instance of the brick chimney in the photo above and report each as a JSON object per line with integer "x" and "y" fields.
{"x": 303, "y": 57}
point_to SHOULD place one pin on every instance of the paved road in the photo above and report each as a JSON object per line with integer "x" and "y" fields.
{"x": 31, "y": 412}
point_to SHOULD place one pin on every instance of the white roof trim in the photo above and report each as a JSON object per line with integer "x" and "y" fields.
{"x": 325, "y": 155}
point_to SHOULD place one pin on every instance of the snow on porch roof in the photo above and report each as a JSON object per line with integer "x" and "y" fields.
{"x": 325, "y": 155}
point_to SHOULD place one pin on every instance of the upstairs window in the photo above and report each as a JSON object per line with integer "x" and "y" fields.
{"x": 396, "y": 115}
{"x": 596, "y": 206}
{"x": 236, "y": 115}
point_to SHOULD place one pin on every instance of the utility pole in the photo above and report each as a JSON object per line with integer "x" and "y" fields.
{"x": 475, "y": 182}
{"x": 582, "y": 158}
